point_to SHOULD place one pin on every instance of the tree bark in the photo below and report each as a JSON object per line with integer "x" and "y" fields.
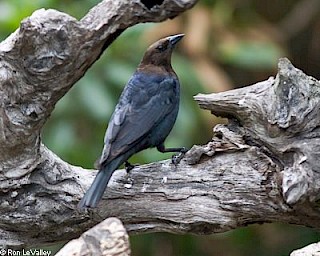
{"x": 261, "y": 167}
{"x": 39, "y": 63}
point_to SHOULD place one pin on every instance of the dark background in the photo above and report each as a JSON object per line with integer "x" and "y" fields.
{"x": 228, "y": 44}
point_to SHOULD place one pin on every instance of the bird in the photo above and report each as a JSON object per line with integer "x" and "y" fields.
{"x": 143, "y": 117}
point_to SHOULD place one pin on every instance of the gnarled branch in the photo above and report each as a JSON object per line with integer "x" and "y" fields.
{"x": 39, "y": 63}
{"x": 261, "y": 167}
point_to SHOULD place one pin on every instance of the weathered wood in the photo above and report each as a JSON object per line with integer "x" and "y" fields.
{"x": 281, "y": 115}
{"x": 108, "y": 238}
{"x": 261, "y": 167}
{"x": 39, "y": 63}
{"x": 312, "y": 250}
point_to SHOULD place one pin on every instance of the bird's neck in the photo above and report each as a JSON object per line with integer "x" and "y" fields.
{"x": 155, "y": 69}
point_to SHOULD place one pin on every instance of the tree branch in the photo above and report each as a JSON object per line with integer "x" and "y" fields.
{"x": 43, "y": 59}
{"x": 39, "y": 63}
{"x": 280, "y": 115}
{"x": 261, "y": 167}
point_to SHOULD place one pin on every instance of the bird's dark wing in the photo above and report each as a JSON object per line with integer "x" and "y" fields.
{"x": 142, "y": 106}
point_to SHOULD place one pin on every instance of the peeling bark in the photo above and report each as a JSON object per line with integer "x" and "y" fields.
{"x": 280, "y": 115}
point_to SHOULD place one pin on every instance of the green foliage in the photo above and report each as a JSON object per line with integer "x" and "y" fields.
{"x": 251, "y": 55}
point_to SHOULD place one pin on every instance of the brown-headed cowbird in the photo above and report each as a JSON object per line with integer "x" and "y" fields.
{"x": 143, "y": 118}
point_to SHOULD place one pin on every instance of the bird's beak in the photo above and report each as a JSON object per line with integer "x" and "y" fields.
{"x": 175, "y": 39}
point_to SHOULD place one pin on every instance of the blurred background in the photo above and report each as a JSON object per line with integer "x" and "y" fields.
{"x": 228, "y": 44}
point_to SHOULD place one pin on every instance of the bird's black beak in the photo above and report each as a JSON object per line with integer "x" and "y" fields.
{"x": 175, "y": 39}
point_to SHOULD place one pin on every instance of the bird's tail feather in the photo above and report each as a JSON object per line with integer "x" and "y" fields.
{"x": 98, "y": 186}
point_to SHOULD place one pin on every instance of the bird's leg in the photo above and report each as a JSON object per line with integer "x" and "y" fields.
{"x": 176, "y": 158}
{"x": 128, "y": 167}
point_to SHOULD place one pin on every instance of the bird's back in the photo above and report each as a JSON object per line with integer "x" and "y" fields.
{"x": 144, "y": 115}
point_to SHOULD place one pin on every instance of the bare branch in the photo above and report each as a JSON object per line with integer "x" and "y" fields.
{"x": 239, "y": 178}
{"x": 280, "y": 115}
{"x": 261, "y": 167}
{"x": 39, "y": 63}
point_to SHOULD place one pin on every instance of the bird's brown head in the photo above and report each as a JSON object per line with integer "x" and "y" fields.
{"x": 159, "y": 53}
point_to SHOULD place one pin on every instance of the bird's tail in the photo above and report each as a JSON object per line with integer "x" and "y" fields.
{"x": 98, "y": 186}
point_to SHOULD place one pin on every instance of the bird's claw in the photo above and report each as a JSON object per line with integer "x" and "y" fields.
{"x": 128, "y": 167}
{"x": 184, "y": 150}
{"x": 176, "y": 158}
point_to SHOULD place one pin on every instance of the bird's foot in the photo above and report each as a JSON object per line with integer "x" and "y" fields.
{"x": 128, "y": 167}
{"x": 176, "y": 158}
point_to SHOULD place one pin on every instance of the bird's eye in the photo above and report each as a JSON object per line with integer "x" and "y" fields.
{"x": 160, "y": 47}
